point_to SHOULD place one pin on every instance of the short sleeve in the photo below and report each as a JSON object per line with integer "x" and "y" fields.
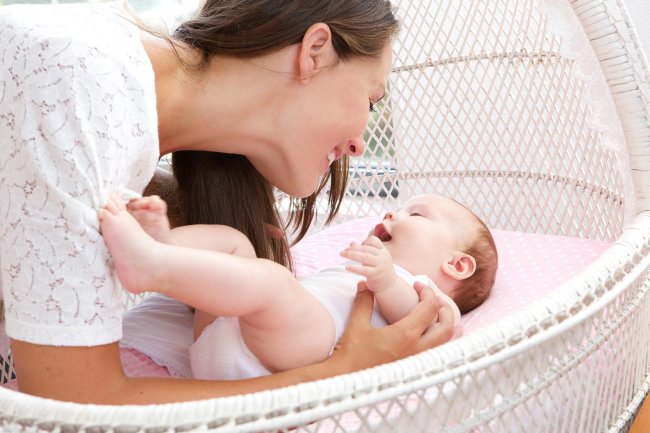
{"x": 74, "y": 126}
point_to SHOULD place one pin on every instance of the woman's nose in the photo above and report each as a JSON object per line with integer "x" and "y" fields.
{"x": 356, "y": 146}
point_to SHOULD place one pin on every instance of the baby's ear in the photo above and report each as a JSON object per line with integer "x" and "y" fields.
{"x": 459, "y": 266}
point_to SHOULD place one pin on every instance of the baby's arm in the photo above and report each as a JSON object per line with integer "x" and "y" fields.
{"x": 395, "y": 297}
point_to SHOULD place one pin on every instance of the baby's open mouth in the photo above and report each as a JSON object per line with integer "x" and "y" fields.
{"x": 381, "y": 233}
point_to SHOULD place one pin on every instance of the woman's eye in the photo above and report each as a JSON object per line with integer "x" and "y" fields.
{"x": 372, "y": 107}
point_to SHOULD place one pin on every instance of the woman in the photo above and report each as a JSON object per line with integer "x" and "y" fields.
{"x": 89, "y": 101}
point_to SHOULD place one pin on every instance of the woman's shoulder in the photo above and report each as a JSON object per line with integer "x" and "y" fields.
{"x": 68, "y": 33}
{"x": 88, "y": 57}
{"x": 43, "y": 20}
{"x": 79, "y": 73}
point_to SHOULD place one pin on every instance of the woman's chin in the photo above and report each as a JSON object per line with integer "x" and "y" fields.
{"x": 300, "y": 191}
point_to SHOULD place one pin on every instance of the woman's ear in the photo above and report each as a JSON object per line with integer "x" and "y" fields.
{"x": 316, "y": 50}
{"x": 459, "y": 266}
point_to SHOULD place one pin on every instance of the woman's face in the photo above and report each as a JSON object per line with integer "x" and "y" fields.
{"x": 324, "y": 121}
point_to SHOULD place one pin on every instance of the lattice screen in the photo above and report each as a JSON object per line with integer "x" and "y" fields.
{"x": 483, "y": 107}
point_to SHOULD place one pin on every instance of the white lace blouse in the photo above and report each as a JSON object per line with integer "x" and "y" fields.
{"x": 77, "y": 122}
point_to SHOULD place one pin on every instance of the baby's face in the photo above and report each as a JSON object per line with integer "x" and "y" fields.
{"x": 423, "y": 233}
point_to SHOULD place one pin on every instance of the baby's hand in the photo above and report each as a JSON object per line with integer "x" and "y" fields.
{"x": 376, "y": 263}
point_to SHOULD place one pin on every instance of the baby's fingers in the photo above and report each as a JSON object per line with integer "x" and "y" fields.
{"x": 373, "y": 241}
{"x": 364, "y": 271}
{"x": 360, "y": 256}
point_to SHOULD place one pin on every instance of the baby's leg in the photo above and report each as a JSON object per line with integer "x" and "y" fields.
{"x": 135, "y": 253}
{"x": 292, "y": 330}
{"x": 281, "y": 323}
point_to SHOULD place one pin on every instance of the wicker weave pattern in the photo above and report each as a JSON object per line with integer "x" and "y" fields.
{"x": 482, "y": 106}
{"x": 490, "y": 66}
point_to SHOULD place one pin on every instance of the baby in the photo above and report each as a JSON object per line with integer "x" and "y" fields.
{"x": 253, "y": 316}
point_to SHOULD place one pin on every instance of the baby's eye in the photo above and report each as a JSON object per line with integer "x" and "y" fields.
{"x": 415, "y": 214}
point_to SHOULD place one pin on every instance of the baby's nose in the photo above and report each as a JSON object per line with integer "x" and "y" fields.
{"x": 389, "y": 215}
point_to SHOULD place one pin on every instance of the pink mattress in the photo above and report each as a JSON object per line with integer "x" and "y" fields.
{"x": 530, "y": 265}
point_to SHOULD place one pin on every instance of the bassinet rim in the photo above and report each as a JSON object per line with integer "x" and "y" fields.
{"x": 307, "y": 402}
{"x": 34, "y": 411}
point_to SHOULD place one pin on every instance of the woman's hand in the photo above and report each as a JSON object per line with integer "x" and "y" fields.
{"x": 363, "y": 346}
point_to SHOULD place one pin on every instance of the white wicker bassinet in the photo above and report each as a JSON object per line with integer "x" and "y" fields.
{"x": 537, "y": 114}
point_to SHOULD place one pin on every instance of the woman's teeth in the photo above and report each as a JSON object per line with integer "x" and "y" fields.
{"x": 331, "y": 157}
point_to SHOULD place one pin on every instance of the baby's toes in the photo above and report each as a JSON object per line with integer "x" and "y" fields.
{"x": 157, "y": 204}
{"x": 114, "y": 204}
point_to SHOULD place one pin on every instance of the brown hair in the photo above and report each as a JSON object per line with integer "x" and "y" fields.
{"x": 234, "y": 194}
{"x": 220, "y": 188}
{"x": 226, "y": 189}
{"x": 474, "y": 290}
{"x": 248, "y": 28}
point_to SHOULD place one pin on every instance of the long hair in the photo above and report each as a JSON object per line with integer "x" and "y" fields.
{"x": 219, "y": 188}
{"x": 249, "y": 28}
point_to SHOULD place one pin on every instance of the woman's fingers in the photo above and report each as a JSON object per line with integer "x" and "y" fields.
{"x": 441, "y": 328}
{"x": 408, "y": 336}
{"x": 361, "y": 308}
{"x": 424, "y": 313}
{"x": 429, "y": 324}
{"x": 441, "y": 331}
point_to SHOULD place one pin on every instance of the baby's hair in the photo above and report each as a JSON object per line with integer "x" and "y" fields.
{"x": 474, "y": 290}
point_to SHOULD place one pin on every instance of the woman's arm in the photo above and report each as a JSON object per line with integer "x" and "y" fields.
{"x": 95, "y": 375}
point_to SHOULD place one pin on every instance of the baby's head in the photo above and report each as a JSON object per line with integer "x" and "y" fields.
{"x": 436, "y": 236}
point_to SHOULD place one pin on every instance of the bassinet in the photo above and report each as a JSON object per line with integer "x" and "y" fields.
{"x": 537, "y": 113}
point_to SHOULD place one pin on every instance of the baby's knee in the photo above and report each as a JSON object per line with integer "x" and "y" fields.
{"x": 243, "y": 246}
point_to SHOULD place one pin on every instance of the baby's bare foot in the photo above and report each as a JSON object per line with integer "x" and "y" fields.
{"x": 134, "y": 252}
{"x": 151, "y": 213}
